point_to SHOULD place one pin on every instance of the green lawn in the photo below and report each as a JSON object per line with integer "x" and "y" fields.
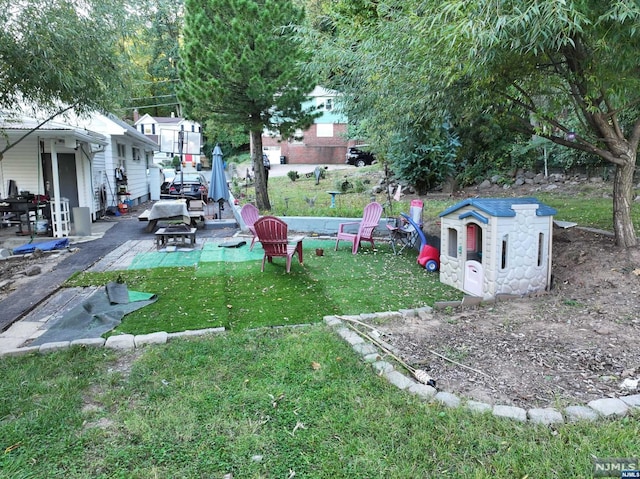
{"x": 264, "y": 404}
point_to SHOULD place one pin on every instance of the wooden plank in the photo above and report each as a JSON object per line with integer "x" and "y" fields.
{"x": 144, "y": 216}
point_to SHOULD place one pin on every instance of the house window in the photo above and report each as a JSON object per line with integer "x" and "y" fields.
{"x": 148, "y": 129}
{"x": 136, "y": 153}
{"x": 540, "y": 248}
{"x": 503, "y": 262}
{"x": 452, "y": 237}
{"x": 122, "y": 151}
{"x": 474, "y": 242}
{"x": 298, "y": 137}
{"x": 328, "y": 104}
{"x": 324, "y": 130}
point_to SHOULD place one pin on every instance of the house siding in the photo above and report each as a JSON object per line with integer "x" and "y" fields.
{"x": 21, "y": 164}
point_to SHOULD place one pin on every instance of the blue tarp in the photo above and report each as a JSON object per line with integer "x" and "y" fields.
{"x": 42, "y": 246}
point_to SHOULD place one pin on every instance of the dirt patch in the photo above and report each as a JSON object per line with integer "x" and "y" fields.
{"x": 20, "y": 271}
{"x": 578, "y": 342}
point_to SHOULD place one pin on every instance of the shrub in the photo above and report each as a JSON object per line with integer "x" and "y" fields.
{"x": 343, "y": 185}
{"x": 293, "y": 175}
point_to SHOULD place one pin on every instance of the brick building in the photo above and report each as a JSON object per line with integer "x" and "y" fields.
{"x": 325, "y": 142}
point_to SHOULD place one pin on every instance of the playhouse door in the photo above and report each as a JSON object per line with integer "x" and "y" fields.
{"x": 473, "y": 275}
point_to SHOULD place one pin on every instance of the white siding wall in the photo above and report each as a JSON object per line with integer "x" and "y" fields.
{"x": 22, "y": 164}
{"x": 85, "y": 186}
{"x": 137, "y": 177}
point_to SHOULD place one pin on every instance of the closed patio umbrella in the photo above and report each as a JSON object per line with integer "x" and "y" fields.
{"x": 218, "y": 189}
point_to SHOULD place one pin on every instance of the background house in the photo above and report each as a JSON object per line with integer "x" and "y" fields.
{"x": 122, "y": 166}
{"x": 166, "y": 132}
{"x": 51, "y": 161}
{"x": 324, "y": 142}
{"x": 492, "y": 246}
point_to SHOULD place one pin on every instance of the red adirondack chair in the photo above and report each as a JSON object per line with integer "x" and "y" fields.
{"x": 250, "y": 215}
{"x": 369, "y": 222}
{"x": 272, "y": 233}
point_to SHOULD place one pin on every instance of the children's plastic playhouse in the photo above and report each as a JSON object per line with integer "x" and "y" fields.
{"x": 492, "y": 246}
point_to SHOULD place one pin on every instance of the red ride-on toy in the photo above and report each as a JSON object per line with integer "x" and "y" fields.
{"x": 429, "y": 258}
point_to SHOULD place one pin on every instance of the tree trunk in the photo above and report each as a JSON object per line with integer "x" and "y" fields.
{"x": 625, "y": 234}
{"x": 262, "y": 194}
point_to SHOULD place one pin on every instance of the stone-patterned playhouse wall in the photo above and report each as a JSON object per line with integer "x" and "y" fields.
{"x": 528, "y": 261}
{"x": 516, "y": 246}
{"x": 451, "y": 268}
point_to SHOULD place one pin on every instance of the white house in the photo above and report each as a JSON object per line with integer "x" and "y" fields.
{"x": 71, "y": 162}
{"x": 50, "y": 160}
{"x": 121, "y": 169}
{"x": 169, "y": 133}
{"x": 492, "y": 246}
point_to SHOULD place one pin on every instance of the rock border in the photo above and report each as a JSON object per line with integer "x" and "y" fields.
{"x": 605, "y": 408}
{"x": 596, "y": 409}
{"x": 123, "y": 342}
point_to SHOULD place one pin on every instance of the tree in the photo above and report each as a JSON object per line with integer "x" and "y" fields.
{"x": 240, "y": 65}
{"x": 156, "y": 53}
{"x": 70, "y": 55}
{"x": 545, "y": 64}
{"x": 566, "y": 71}
{"x": 62, "y": 53}
{"x": 368, "y": 51}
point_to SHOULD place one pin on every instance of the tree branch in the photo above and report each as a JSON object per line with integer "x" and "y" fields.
{"x": 31, "y": 131}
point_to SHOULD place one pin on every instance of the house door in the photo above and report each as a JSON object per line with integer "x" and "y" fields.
{"x": 68, "y": 177}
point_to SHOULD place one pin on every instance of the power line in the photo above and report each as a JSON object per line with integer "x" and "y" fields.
{"x": 150, "y": 106}
{"x": 157, "y": 96}
{"x": 148, "y": 82}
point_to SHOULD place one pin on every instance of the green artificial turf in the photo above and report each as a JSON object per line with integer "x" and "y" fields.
{"x": 218, "y": 291}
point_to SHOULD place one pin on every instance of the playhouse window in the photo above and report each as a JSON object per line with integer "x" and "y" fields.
{"x": 474, "y": 242}
{"x": 503, "y": 262}
{"x": 452, "y": 235}
{"x": 540, "y": 248}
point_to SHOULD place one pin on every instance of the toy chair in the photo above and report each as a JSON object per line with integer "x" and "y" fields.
{"x": 250, "y": 215}
{"x": 272, "y": 234}
{"x": 370, "y": 220}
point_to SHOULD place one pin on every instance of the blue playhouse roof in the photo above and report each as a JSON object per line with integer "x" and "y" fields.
{"x": 500, "y": 207}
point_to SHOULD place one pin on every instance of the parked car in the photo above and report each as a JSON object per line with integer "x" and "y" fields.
{"x": 189, "y": 185}
{"x": 359, "y": 156}
{"x": 169, "y": 174}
